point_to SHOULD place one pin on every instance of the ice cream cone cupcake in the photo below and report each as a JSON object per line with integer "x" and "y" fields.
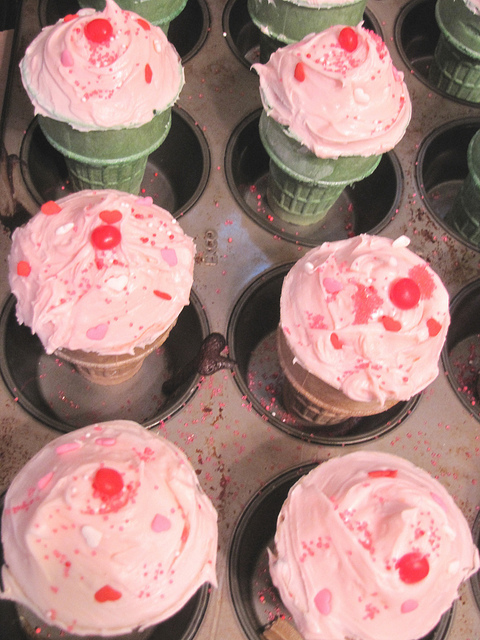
{"x": 157, "y": 12}
{"x": 325, "y": 123}
{"x": 362, "y": 326}
{"x": 103, "y": 84}
{"x": 456, "y": 65}
{"x": 286, "y": 21}
{"x": 369, "y": 546}
{"x": 464, "y": 215}
{"x": 101, "y": 278}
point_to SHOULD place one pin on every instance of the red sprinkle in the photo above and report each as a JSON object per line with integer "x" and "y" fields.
{"x": 335, "y": 340}
{"x": 23, "y": 268}
{"x": 348, "y": 39}
{"x": 50, "y": 208}
{"x": 148, "y": 74}
{"x": 383, "y": 473}
{"x": 144, "y": 24}
{"x": 107, "y": 593}
{"x": 433, "y": 327}
{"x": 299, "y": 72}
{"x": 110, "y": 216}
{"x": 70, "y": 16}
{"x": 391, "y": 324}
{"x": 98, "y": 30}
{"x": 162, "y": 294}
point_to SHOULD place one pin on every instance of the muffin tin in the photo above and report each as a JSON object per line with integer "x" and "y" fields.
{"x": 211, "y": 174}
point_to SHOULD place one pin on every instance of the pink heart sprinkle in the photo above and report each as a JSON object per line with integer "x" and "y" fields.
{"x": 67, "y": 447}
{"x": 66, "y": 58}
{"x": 408, "y": 606}
{"x": 106, "y": 442}
{"x": 42, "y": 483}
{"x": 160, "y": 523}
{"x": 170, "y": 256}
{"x": 331, "y": 285}
{"x": 323, "y": 601}
{"x": 98, "y": 332}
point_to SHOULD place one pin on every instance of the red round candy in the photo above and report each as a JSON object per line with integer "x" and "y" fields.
{"x": 108, "y": 482}
{"x": 405, "y": 293}
{"x": 106, "y": 236}
{"x": 98, "y": 30}
{"x": 348, "y": 39}
{"x": 412, "y": 567}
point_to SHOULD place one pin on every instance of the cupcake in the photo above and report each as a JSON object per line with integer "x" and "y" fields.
{"x": 157, "y": 12}
{"x": 464, "y": 216}
{"x": 332, "y": 105}
{"x": 103, "y": 84}
{"x": 106, "y": 530}
{"x": 286, "y": 21}
{"x": 362, "y": 325}
{"x": 456, "y": 65}
{"x": 101, "y": 278}
{"x": 381, "y": 553}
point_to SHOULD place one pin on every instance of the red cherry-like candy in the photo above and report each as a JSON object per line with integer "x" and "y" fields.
{"x": 98, "y": 30}
{"x": 299, "y": 72}
{"x": 348, "y": 39}
{"x": 412, "y": 567}
{"x": 108, "y": 482}
{"x": 106, "y": 236}
{"x": 405, "y": 293}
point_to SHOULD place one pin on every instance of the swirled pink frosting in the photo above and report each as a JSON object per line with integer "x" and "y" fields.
{"x": 107, "y": 529}
{"x": 77, "y": 291}
{"x": 369, "y": 547}
{"x": 344, "y": 326}
{"x": 335, "y": 101}
{"x": 119, "y": 82}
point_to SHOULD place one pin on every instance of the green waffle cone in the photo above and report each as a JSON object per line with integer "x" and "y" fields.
{"x": 157, "y": 12}
{"x": 464, "y": 215}
{"x": 302, "y": 187}
{"x": 107, "y": 159}
{"x": 283, "y": 22}
{"x": 456, "y": 65}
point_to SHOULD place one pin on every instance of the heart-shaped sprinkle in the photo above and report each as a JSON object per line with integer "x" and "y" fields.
{"x": 331, "y": 285}
{"x": 65, "y": 228}
{"x": 160, "y": 523}
{"x": 110, "y": 216}
{"x": 117, "y": 283}
{"x": 91, "y": 536}
{"x": 98, "y": 332}
{"x": 170, "y": 256}
{"x": 433, "y": 327}
{"x": 335, "y": 340}
{"x": 408, "y": 606}
{"x": 107, "y": 593}
{"x": 323, "y": 601}
{"x": 162, "y": 294}
{"x": 42, "y": 483}
{"x": 66, "y": 58}
{"x": 299, "y": 72}
{"x": 50, "y": 208}
{"x": 148, "y": 73}
{"x": 391, "y": 324}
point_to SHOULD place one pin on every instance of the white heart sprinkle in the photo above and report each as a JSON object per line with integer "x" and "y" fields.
{"x": 65, "y": 228}
{"x": 360, "y": 96}
{"x": 117, "y": 283}
{"x": 92, "y": 536}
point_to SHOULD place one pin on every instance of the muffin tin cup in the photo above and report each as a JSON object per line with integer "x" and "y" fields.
{"x": 255, "y": 600}
{"x": 56, "y": 394}
{"x": 454, "y": 72}
{"x": 158, "y": 13}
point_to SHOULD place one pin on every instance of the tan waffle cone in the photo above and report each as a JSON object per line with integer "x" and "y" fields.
{"x": 281, "y": 630}
{"x": 111, "y": 369}
{"x": 312, "y": 400}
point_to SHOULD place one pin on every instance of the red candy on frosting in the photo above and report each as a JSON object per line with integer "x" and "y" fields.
{"x": 299, "y": 72}
{"x": 110, "y": 216}
{"x": 23, "y": 268}
{"x": 107, "y": 482}
{"x": 412, "y": 567}
{"x": 98, "y": 30}
{"x": 405, "y": 293}
{"x": 50, "y": 208}
{"x": 348, "y": 39}
{"x": 106, "y": 237}
{"x": 107, "y": 593}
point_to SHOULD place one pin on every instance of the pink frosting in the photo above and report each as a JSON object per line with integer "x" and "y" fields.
{"x": 334, "y": 101}
{"x": 75, "y": 292}
{"x": 121, "y": 82}
{"x": 363, "y": 551}
{"x": 342, "y": 324}
{"x": 105, "y": 557}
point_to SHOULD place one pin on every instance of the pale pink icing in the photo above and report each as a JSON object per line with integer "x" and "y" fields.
{"x": 120, "y": 83}
{"x": 66, "y": 545}
{"x": 473, "y": 6}
{"x": 342, "y": 326}
{"x": 75, "y": 295}
{"x": 349, "y": 103}
{"x": 343, "y": 536}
